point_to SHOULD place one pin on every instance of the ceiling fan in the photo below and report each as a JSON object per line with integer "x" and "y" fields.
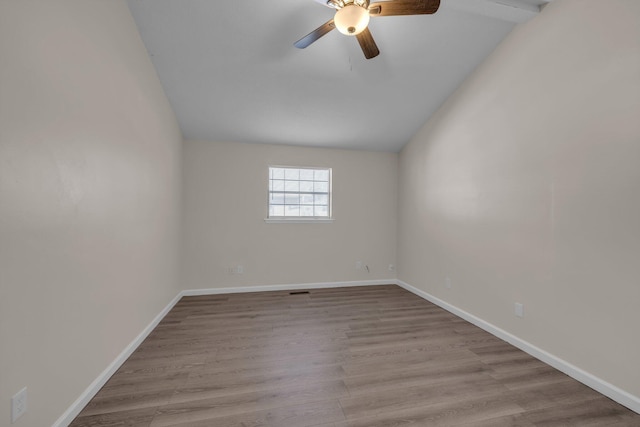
{"x": 352, "y": 19}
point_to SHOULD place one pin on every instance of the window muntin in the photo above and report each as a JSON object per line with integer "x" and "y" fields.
{"x": 299, "y": 192}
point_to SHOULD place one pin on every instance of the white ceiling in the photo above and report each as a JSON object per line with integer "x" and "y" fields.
{"x": 231, "y": 72}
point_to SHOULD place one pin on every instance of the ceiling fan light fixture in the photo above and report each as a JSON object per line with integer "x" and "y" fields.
{"x": 352, "y": 19}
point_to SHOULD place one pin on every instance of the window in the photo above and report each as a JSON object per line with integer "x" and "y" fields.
{"x": 299, "y": 193}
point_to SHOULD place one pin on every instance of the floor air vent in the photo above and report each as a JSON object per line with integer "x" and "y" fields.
{"x": 298, "y": 292}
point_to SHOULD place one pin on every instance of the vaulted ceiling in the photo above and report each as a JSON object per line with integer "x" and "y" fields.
{"x": 231, "y": 72}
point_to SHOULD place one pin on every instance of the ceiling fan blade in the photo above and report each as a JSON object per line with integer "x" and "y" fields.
{"x": 315, "y": 34}
{"x": 404, "y": 7}
{"x": 367, "y": 44}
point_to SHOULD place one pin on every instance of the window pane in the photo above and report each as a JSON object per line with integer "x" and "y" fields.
{"x": 306, "y": 199}
{"x": 277, "y": 173}
{"x": 321, "y": 175}
{"x": 277, "y": 199}
{"x": 306, "y": 210}
{"x": 292, "y": 211}
{"x": 291, "y": 199}
{"x": 292, "y": 174}
{"x": 321, "y": 199}
{"x": 306, "y": 174}
{"x": 276, "y": 210}
{"x": 306, "y": 186}
{"x": 292, "y": 186}
{"x": 321, "y": 187}
{"x": 321, "y": 211}
{"x": 277, "y": 185}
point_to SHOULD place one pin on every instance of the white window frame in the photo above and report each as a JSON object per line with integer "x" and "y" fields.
{"x": 300, "y": 219}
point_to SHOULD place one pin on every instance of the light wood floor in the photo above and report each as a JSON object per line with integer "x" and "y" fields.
{"x": 356, "y": 357}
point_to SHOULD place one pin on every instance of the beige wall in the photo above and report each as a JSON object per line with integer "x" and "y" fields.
{"x": 89, "y": 197}
{"x": 525, "y": 187}
{"x": 225, "y": 205}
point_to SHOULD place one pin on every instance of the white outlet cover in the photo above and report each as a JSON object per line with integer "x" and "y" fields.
{"x": 519, "y": 309}
{"x": 18, "y": 405}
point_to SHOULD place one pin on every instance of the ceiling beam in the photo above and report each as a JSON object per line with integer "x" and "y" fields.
{"x": 517, "y": 11}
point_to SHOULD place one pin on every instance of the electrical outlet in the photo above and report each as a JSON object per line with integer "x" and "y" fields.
{"x": 18, "y": 405}
{"x": 358, "y": 265}
{"x": 519, "y": 309}
{"x": 238, "y": 269}
{"x": 447, "y": 283}
{"x": 392, "y": 267}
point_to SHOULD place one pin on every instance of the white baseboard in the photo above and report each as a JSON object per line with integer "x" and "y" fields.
{"x": 82, "y": 401}
{"x": 68, "y": 416}
{"x": 288, "y": 287}
{"x": 624, "y": 398}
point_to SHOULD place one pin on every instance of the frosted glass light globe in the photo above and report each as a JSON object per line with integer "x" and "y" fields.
{"x": 351, "y": 19}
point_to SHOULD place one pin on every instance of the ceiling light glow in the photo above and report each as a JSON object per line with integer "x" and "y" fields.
{"x": 351, "y": 19}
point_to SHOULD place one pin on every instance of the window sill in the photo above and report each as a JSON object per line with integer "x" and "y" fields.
{"x": 299, "y": 220}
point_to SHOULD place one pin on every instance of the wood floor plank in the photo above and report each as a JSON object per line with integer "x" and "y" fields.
{"x": 517, "y": 420}
{"x": 386, "y": 381}
{"x": 198, "y": 409}
{"x": 598, "y": 412}
{"x": 451, "y": 413}
{"x": 106, "y": 404}
{"x": 343, "y": 357}
{"x": 289, "y": 363}
{"x": 392, "y": 361}
{"x": 305, "y": 415}
{"x": 378, "y": 404}
{"x": 230, "y": 383}
{"x": 123, "y": 418}
{"x": 134, "y": 385}
{"x": 538, "y": 396}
